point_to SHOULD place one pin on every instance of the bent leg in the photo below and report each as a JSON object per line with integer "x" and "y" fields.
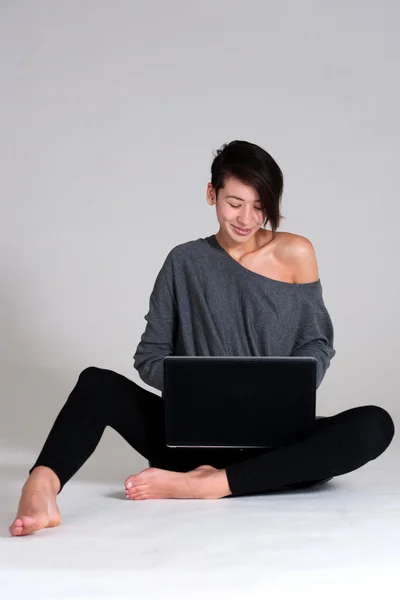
{"x": 338, "y": 445}
{"x": 102, "y": 397}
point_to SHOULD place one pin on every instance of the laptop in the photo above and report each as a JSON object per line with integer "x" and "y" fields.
{"x": 238, "y": 401}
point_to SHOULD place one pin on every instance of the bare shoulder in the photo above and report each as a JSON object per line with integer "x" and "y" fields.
{"x": 299, "y": 252}
{"x": 291, "y": 244}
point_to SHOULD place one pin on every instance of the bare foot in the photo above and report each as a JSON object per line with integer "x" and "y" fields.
{"x": 37, "y": 507}
{"x": 205, "y": 482}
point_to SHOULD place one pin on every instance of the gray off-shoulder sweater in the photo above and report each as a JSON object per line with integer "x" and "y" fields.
{"x": 205, "y": 303}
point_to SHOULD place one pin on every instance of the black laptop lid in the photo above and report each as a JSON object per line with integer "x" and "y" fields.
{"x": 238, "y": 401}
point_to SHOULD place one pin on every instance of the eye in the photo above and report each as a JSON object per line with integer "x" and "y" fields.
{"x": 238, "y": 206}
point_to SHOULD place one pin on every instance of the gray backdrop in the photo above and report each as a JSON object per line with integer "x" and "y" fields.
{"x": 110, "y": 113}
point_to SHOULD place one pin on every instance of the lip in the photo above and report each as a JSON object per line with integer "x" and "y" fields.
{"x": 246, "y": 231}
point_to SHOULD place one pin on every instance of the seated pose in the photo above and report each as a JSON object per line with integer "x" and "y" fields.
{"x": 245, "y": 291}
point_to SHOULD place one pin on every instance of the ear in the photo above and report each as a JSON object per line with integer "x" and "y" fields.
{"x": 210, "y": 195}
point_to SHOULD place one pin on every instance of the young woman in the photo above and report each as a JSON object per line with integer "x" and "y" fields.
{"x": 246, "y": 291}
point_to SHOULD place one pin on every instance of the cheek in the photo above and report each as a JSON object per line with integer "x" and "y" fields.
{"x": 228, "y": 215}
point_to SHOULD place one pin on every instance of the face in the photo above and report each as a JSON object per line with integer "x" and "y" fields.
{"x": 237, "y": 206}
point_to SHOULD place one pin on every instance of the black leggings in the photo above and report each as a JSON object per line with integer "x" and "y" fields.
{"x": 338, "y": 444}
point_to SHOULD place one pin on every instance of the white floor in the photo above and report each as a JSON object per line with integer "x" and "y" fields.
{"x": 342, "y": 537}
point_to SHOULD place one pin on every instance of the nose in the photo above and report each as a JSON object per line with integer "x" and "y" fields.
{"x": 245, "y": 217}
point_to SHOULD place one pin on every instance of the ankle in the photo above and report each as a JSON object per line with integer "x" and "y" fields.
{"x": 43, "y": 477}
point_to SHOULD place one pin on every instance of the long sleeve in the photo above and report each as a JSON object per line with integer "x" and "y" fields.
{"x": 157, "y": 341}
{"x": 315, "y": 335}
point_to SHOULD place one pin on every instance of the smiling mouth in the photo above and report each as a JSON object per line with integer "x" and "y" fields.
{"x": 242, "y": 230}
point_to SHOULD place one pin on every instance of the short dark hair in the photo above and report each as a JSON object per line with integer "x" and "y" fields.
{"x": 253, "y": 166}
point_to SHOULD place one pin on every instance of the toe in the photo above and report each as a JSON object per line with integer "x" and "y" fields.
{"x": 29, "y": 524}
{"x": 132, "y": 482}
{"x": 128, "y": 481}
{"x": 16, "y": 528}
{"x": 140, "y": 478}
{"x": 129, "y": 487}
{"x": 132, "y": 496}
{"x": 20, "y": 529}
{"x": 135, "y": 492}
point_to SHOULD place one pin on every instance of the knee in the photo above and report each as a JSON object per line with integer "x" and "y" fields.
{"x": 376, "y": 429}
{"x": 90, "y": 373}
{"x": 105, "y": 380}
{"x": 96, "y": 377}
{"x": 96, "y": 387}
